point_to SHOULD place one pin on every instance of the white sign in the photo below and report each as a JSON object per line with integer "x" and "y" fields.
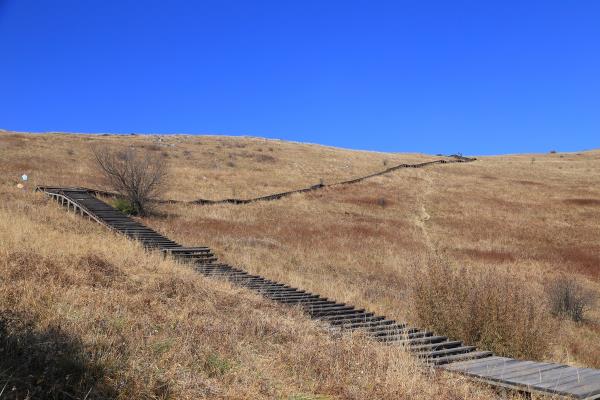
{"x": 24, "y": 177}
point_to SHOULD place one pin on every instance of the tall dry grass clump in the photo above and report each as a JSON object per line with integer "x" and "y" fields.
{"x": 568, "y": 298}
{"x": 486, "y": 308}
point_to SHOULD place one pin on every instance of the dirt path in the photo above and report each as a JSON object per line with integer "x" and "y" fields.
{"x": 422, "y": 216}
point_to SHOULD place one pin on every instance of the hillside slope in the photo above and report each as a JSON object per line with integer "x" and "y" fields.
{"x": 531, "y": 216}
{"x": 210, "y": 167}
{"x": 88, "y": 314}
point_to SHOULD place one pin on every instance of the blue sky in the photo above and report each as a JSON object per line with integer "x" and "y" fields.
{"x": 474, "y": 77}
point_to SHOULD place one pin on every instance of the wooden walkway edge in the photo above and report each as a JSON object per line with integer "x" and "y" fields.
{"x": 435, "y": 350}
{"x": 276, "y": 196}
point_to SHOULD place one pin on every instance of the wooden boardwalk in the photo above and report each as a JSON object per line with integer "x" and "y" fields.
{"x": 436, "y": 350}
{"x": 277, "y": 196}
{"x": 580, "y": 383}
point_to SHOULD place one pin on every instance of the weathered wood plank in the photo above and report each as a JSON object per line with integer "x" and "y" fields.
{"x": 535, "y": 375}
{"x": 504, "y": 369}
{"x": 582, "y": 380}
{"x": 490, "y": 362}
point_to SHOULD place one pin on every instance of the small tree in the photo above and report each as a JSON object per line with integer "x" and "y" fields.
{"x": 138, "y": 177}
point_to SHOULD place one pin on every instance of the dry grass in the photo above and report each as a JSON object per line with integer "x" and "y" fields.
{"x": 210, "y": 167}
{"x": 499, "y": 213}
{"x": 487, "y": 308}
{"x": 366, "y": 251}
{"x": 86, "y": 313}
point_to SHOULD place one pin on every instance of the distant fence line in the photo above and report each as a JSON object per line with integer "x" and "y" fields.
{"x": 454, "y": 158}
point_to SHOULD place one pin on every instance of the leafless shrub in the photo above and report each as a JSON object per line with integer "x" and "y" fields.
{"x": 138, "y": 177}
{"x": 568, "y": 298}
{"x": 489, "y": 309}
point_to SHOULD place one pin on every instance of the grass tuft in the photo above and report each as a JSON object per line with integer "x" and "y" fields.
{"x": 124, "y": 206}
{"x": 486, "y": 308}
{"x": 568, "y": 298}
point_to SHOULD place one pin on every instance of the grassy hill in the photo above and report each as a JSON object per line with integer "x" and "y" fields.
{"x": 126, "y": 323}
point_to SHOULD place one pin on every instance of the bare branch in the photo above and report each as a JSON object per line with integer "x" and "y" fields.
{"x": 138, "y": 177}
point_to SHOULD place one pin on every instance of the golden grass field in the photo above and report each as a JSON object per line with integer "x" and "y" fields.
{"x": 138, "y": 326}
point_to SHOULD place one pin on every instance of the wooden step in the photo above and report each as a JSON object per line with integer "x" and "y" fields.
{"x": 446, "y": 352}
{"x": 460, "y": 357}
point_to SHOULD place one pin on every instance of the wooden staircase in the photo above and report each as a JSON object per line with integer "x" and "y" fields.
{"x": 433, "y": 349}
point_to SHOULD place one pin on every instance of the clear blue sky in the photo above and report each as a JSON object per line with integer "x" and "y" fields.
{"x": 475, "y": 77}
